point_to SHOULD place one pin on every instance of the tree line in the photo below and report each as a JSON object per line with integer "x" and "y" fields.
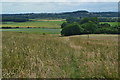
{"x": 14, "y": 19}
{"x": 87, "y": 25}
{"x": 104, "y": 16}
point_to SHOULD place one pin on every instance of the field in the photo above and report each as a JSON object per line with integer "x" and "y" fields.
{"x": 43, "y": 23}
{"x": 112, "y": 23}
{"x": 52, "y": 56}
{"x": 34, "y": 30}
{"x": 35, "y": 23}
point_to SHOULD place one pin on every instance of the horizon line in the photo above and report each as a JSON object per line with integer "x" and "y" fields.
{"x": 57, "y": 12}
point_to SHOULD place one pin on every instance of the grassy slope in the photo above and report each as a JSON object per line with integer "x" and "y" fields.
{"x": 46, "y": 56}
{"x": 42, "y": 24}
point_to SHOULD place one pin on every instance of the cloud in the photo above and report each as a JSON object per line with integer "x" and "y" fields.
{"x": 59, "y": 0}
{"x": 55, "y": 7}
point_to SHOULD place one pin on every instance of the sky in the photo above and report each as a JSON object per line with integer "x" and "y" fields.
{"x": 59, "y": 0}
{"x": 16, "y": 7}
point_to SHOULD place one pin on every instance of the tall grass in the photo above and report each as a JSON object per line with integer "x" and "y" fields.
{"x": 51, "y": 56}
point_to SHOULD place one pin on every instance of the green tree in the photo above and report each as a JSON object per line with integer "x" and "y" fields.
{"x": 105, "y": 25}
{"x": 87, "y": 19}
{"x": 73, "y": 29}
{"x": 64, "y": 24}
{"x": 89, "y": 27}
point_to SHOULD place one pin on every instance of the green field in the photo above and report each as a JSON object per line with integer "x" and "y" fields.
{"x": 111, "y": 23}
{"x": 51, "y": 56}
{"x": 40, "y": 24}
{"x": 35, "y": 30}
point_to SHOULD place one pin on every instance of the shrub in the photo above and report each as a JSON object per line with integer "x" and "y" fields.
{"x": 73, "y": 29}
{"x": 104, "y": 25}
{"x": 89, "y": 27}
{"x": 64, "y": 24}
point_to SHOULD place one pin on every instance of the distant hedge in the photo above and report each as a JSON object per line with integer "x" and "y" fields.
{"x": 14, "y": 19}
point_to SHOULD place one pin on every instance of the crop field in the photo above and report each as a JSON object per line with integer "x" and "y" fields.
{"x": 37, "y": 23}
{"x": 52, "y": 56}
{"x": 112, "y": 23}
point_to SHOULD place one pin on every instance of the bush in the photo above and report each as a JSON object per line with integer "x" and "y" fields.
{"x": 73, "y": 29}
{"x": 64, "y": 24}
{"x": 105, "y": 25}
{"x": 89, "y": 27}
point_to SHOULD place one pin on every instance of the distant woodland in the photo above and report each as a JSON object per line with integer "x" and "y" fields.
{"x": 102, "y": 16}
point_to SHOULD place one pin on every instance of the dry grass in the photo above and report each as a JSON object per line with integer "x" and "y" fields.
{"x": 50, "y": 56}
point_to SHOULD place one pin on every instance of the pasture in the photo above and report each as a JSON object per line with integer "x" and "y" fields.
{"x": 34, "y": 30}
{"x": 35, "y": 23}
{"x": 52, "y": 56}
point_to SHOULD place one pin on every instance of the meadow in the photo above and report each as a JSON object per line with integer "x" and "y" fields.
{"x": 35, "y": 23}
{"x": 52, "y": 56}
{"x": 41, "y": 52}
{"x": 34, "y": 30}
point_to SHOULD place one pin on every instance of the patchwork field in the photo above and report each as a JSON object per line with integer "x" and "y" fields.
{"x": 52, "y": 56}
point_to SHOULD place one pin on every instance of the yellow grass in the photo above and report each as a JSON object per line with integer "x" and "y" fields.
{"x": 51, "y": 56}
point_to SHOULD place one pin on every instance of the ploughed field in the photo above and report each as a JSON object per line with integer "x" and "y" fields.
{"x": 52, "y": 56}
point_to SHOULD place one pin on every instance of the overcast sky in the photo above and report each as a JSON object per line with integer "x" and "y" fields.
{"x": 60, "y": 0}
{"x": 56, "y": 7}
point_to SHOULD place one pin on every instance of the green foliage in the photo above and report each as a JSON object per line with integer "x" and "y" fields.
{"x": 72, "y": 29}
{"x": 15, "y": 19}
{"x": 105, "y": 25}
{"x": 88, "y": 25}
{"x": 64, "y": 24}
{"x": 73, "y": 19}
{"x": 111, "y": 23}
{"x": 88, "y": 19}
{"x": 106, "y": 30}
{"x": 109, "y": 19}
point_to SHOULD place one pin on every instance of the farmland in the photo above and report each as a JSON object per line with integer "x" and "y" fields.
{"x": 35, "y": 23}
{"x": 43, "y": 24}
{"x": 37, "y": 50}
{"x": 54, "y": 39}
{"x": 34, "y": 30}
{"x": 52, "y": 56}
